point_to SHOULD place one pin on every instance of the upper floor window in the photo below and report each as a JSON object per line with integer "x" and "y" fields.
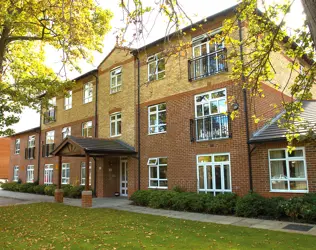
{"x": 83, "y": 173}
{"x": 50, "y": 137}
{"x": 15, "y": 173}
{"x": 87, "y": 92}
{"x": 211, "y": 120}
{"x": 50, "y": 114}
{"x": 87, "y": 129}
{"x": 65, "y": 173}
{"x": 208, "y": 58}
{"x": 31, "y": 141}
{"x": 158, "y": 172}
{"x": 30, "y": 173}
{"x": 65, "y": 132}
{"x": 17, "y": 146}
{"x": 157, "y": 118}
{"x": 156, "y": 67}
{"x": 288, "y": 171}
{"x": 68, "y": 100}
{"x": 116, "y": 80}
{"x": 115, "y": 124}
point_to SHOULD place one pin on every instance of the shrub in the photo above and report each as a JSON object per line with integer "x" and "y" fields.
{"x": 66, "y": 188}
{"x": 50, "y": 190}
{"x": 141, "y": 197}
{"x": 10, "y": 186}
{"x": 182, "y": 201}
{"x": 274, "y": 207}
{"x": 178, "y": 189}
{"x": 251, "y": 205}
{"x": 39, "y": 189}
{"x": 75, "y": 191}
{"x": 221, "y": 204}
{"x": 26, "y": 187}
{"x": 292, "y": 207}
{"x": 196, "y": 202}
{"x": 161, "y": 199}
{"x": 308, "y": 212}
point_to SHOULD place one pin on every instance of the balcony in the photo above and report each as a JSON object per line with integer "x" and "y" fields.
{"x": 211, "y": 127}
{"x": 209, "y": 64}
{"x": 30, "y": 153}
{"x": 50, "y": 116}
{"x": 47, "y": 149}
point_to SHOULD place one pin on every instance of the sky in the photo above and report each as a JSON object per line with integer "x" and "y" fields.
{"x": 197, "y": 10}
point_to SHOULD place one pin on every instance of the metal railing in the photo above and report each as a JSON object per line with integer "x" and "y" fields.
{"x": 30, "y": 153}
{"x": 209, "y": 64}
{"x": 47, "y": 149}
{"x": 211, "y": 127}
{"x": 50, "y": 115}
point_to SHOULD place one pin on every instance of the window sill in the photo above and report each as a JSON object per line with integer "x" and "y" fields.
{"x": 150, "y": 81}
{"x": 289, "y": 191}
{"x": 114, "y": 136}
{"x": 158, "y": 187}
{"x": 86, "y": 102}
{"x": 164, "y": 132}
{"x": 67, "y": 109}
{"x": 215, "y": 139}
{"x": 113, "y": 93}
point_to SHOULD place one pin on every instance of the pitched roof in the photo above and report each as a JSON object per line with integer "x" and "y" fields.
{"x": 272, "y": 132}
{"x": 96, "y": 146}
{"x": 36, "y": 130}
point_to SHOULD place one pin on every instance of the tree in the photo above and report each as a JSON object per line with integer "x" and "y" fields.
{"x": 27, "y": 29}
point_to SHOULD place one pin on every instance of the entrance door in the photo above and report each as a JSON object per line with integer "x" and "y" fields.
{"x": 123, "y": 178}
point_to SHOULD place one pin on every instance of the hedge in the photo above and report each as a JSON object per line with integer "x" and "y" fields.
{"x": 69, "y": 190}
{"x": 252, "y": 205}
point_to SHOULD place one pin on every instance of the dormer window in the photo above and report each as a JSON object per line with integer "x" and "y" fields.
{"x": 116, "y": 80}
{"x": 156, "y": 67}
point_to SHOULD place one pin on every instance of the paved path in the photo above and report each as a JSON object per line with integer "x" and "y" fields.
{"x": 124, "y": 204}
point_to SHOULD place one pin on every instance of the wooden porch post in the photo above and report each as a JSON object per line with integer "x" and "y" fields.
{"x": 59, "y": 172}
{"x": 87, "y": 172}
{"x": 59, "y": 193}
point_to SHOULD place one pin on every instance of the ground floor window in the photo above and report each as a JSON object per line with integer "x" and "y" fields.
{"x": 30, "y": 173}
{"x": 65, "y": 173}
{"x": 15, "y": 173}
{"x": 288, "y": 170}
{"x": 213, "y": 172}
{"x": 48, "y": 174}
{"x": 158, "y": 172}
{"x": 83, "y": 173}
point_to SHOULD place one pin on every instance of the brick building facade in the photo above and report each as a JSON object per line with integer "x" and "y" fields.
{"x": 167, "y": 126}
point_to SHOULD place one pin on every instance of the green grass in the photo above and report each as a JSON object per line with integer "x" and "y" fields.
{"x": 56, "y": 226}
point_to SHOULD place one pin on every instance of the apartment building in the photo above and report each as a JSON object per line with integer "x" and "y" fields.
{"x": 148, "y": 120}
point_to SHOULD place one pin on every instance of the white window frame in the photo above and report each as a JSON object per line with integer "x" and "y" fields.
{"x": 116, "y": 86}
{"x": 65, "y": 173}
{"x": 17, "y": 149}
{"x": 212, "y": 165}
{"x": 50, "y": 134}
{"x": 116, "y": 120}
{"x": 288, "y": 179}
{"x": 157, "y": 125}
{"x": 154, "y": 163}
{"x": 154, "y": 59}
{"x": 65, "y": 132}
{"x": 48, "y": 174}
{"x": 16, "y": 173}
{"x": 30, "y": 173}
{"x": 83, "y": 170}
{"x": 89, "y": 125}
{"x": 87, "y": 92}
{"x": 31, "y": 141}
{"x": 68, "y": 100}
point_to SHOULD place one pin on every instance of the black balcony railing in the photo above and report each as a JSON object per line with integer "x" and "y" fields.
{"x": 30, "y": 153}
{"x": 50, "y": 115}
{"x": 208, "y": 64}
{"x": 211, "y": 127}
{"x": 47, "y": 149}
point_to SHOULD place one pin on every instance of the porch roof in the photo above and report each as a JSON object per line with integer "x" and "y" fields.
{"x": 80, "y": 146}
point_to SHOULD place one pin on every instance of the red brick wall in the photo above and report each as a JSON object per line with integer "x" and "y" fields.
{"x": 4, "y": 157}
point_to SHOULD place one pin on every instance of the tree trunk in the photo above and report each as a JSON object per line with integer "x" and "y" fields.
{"x": 310, "y": 11}
{"x": 3, "y": 42}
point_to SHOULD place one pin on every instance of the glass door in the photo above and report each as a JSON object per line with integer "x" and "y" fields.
{"x": 123, "y": 178}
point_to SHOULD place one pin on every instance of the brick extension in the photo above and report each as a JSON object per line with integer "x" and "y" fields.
{"x": 86, "y": 199}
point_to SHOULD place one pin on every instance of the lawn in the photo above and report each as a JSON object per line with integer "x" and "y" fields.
{"x": 57, "y": 226}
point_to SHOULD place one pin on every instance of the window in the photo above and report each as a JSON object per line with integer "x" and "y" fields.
{"x": 17, "y": 146}
{"x": 116, "y": 80}
{"x": 65, "y": 132}
{"x": 158, "y": 172}
{"x": 65, "y": 173}
{"x": 15, "y": 173}
{"x": 50, "y": 137}
{"x": 48, "y": 174}
{"x": 156, "y": 67}
{"x": 210, "y": 112}
{"x": 213, "y": 172}
{"x": 30, "y": 173}
{"x": 83, "y": 173}
{"x": 87, "y": 92}
{"x": 115, "y": 124}
{"x": 68, "y": 100}
{"x": 157, "y": 119}
{"x": 50, "y": 114}
{"x": 87, "y": 129}
{"x": 288, "y": 170}
{"x": 52, "y": 102}
{"x": 31, "y": 141}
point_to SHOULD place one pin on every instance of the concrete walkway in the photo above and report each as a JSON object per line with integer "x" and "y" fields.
{"x": 124, "y": 204}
